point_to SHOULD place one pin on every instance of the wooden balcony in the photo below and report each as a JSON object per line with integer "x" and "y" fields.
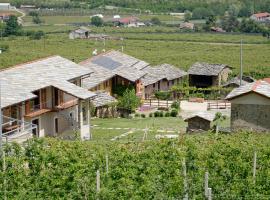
{"x": 67, "y": 104}
{"x": 38, "y": 112}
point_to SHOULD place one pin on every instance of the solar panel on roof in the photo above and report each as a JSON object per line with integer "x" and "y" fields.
{"x": 107, "y": 62}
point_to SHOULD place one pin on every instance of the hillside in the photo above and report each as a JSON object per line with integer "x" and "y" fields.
{"x": 218, "y": 7}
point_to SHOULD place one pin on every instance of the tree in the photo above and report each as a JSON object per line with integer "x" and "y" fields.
{"x": 96, "y": 21}
{"x": 155, "y": 21}
{"x": 36, "y": 20}
{"x": 219, "y": 118}
{"x": 12, "y": 27}
{"x": 201, "y": 13}
{"x": 210, "y": 22}
{"x": 250, "y": 26}
{"x": 230, "y": 23}
{"x": 129, "y": 100}
{"x": 187, "y": 16}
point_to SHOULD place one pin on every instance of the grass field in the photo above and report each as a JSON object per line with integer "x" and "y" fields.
{"x": 51, "y": 20}
{"x": 153, "y": 124}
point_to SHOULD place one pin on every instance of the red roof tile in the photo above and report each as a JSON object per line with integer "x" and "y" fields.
{"x": 259, "y": 15}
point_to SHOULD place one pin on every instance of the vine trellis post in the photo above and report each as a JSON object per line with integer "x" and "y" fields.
{"x": 107, "y": 163}
{"x": 206, "y": 184}
{"x": 98, "y": 181}
{"x": 254, "y": 166}
{"x": 185, "y": 179}
{"x": 209, "y": 193}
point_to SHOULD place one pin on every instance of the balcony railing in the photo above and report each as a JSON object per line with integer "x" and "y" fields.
{"x": 39, "y": 109}
{"x": 13, "y": 127}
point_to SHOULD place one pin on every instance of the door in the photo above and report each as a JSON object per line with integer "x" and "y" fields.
{"x": 35, "y": 131}
{"x": 56, "y": 125}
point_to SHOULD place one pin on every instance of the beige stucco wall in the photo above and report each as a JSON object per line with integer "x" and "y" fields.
{"x": 47, "y": 121}
{"x": 250, "y": 112}
{"x": 251, "y": 98}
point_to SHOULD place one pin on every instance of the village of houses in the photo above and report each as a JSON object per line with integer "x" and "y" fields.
{"x": 53, "y": 95}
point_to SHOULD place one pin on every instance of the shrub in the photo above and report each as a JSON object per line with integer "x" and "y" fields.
{"x": 37, "y": 35}
{"x": 174, "y": 113}
{"x": 163, "y": 109}
{"x": 161, "y": 114}
{"x": 167, "y": 114}
{"x": 162, "y": 95}
{"x": 156, "y": 114}
{"x": 136, "y": 115}
{"x": 4, "y": 47}
{"x": 151, "y": 115}
{"x": 175, "y": 105}
{"x": 142, "y": 115}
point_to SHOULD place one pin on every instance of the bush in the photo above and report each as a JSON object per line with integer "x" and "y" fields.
{"x": 37, "y": 35}
{"x": 174, "y": 113}
{"x": 156, "y": 114}
{"x": 167, "y": 114}
{"x": 175, "y": 105}
{"x": 142, "y": 115}
{"x": 163, "y": 109}
{"x": 161, "y": 114}
{"x": 4, "y": 47}
{"x": 151, "y": 115}
{"x": 136, "y": 115}
{"x": 162, "y": 95}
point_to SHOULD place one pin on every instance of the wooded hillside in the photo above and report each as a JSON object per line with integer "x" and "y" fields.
{"x": 218, "y": 7}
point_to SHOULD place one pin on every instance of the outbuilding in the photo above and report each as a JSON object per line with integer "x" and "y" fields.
{"x": 199, "y": 122}
{"x": 250, "y": 107}
{"x": 203, "y": 75}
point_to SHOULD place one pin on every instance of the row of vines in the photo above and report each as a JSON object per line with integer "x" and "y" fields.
{"x": 55, "y": 169}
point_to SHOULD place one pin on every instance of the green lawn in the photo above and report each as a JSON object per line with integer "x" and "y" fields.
{"x": 152, "y": 124}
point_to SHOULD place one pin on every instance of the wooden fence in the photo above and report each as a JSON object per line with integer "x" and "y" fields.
{"x": 156, "y": 103}
{"x": 215, "y": 105}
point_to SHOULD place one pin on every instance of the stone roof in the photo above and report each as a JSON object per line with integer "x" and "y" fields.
{"x": 164, "y": 71}
{"x": 204, "y": 115}
{"x": 102, "y": 99}
{"x": 234, "y": 81}
{"x": 114, "y": 63}
{"x": 82, "y": 30}
{"x": 18, "y": 82}
{"x": 259, "y": 87}
{"x": 206, "y": 69}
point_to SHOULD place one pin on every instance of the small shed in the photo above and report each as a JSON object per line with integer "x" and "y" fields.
{"x": 199, "y": 122}
{"x": 250, "y": 107}
{"x": 203, "y": 75}
{"x": 82, "y": 33}
{"x": 187, "y": 25}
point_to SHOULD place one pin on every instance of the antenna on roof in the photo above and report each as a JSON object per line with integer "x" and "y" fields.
{"x": 241, "y": 62}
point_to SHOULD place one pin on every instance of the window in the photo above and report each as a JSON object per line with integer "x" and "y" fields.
{"x": 56, "y": 125}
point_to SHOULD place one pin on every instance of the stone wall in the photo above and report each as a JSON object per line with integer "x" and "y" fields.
{"x": 250, "y": 117}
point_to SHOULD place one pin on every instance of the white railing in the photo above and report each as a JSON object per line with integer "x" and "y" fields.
{"x": 12, "y": 126}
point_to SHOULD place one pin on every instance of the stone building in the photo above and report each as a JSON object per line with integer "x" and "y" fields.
{"x": 202, "y": 75}
{"x": 199, "y": 122}
{"x": 81, "y": 33}
{"x": 250, "y": 107}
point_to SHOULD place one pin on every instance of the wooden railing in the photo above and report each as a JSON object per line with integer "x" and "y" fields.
{"x": 156, "y": 103}
{"x": 216, "y": 105}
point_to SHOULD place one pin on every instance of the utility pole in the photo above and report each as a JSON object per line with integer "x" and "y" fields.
{"x": 241, "y": 62}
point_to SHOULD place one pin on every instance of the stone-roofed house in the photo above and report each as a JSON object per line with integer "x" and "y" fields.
{"x": 250, "y": 107}
{"x": 161, "y": 78}
{"x": 114, "y": 68}
{"x": 45, "y": 94}
{"x": 198, "y": 122}
{"x": 202, "y": 75}
{"x": 82, "y": 33}
{"x": 104, "y": 105}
